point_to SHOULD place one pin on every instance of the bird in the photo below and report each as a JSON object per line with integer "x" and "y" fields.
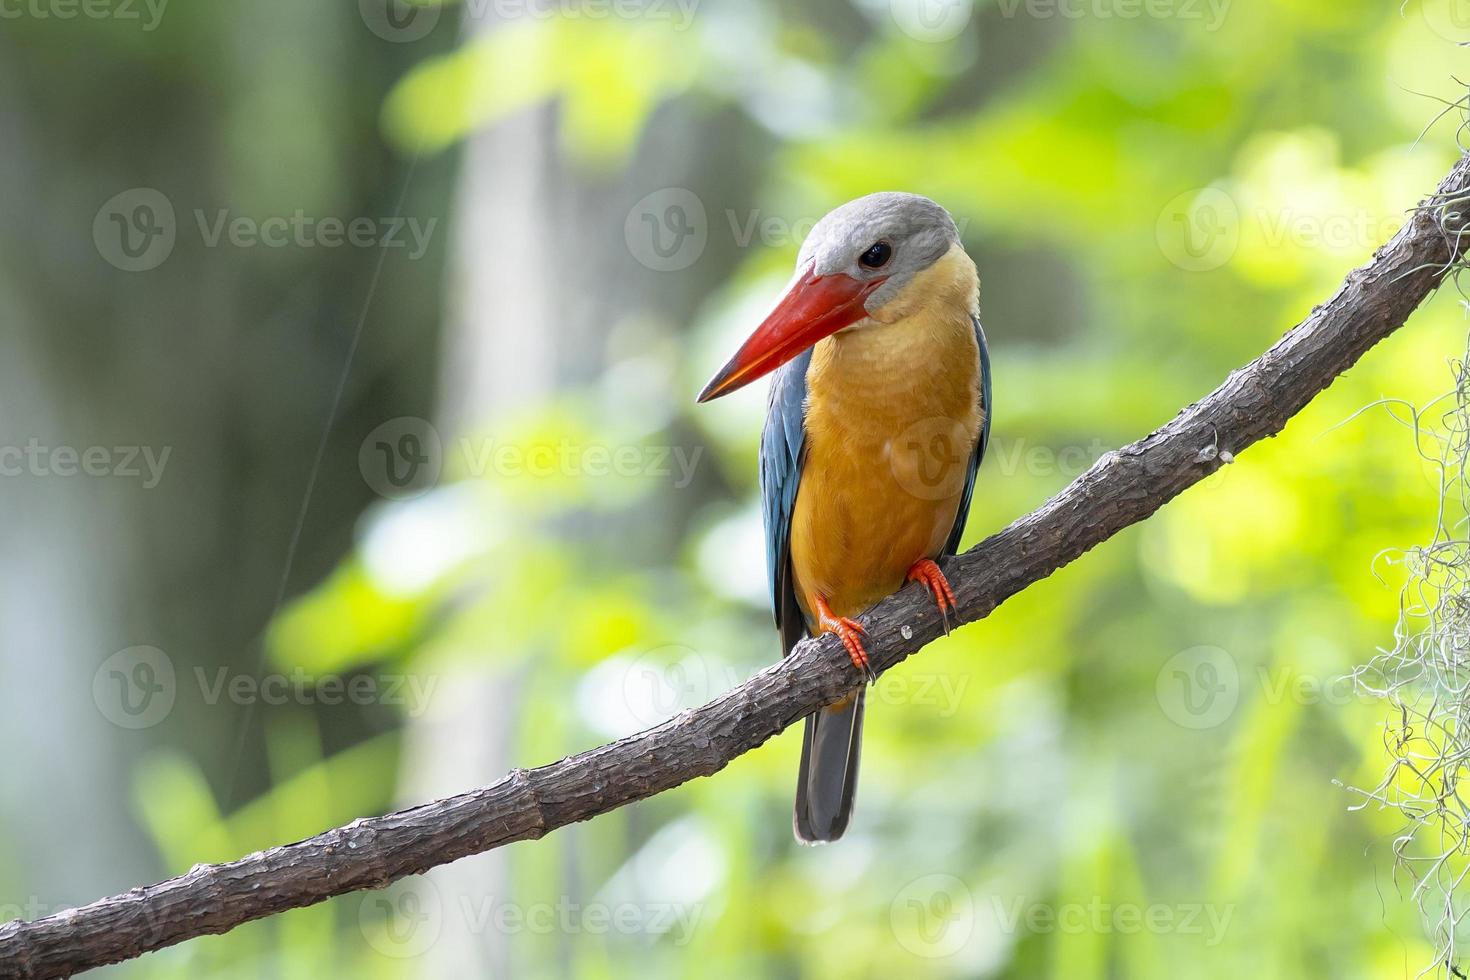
{"x": 878, "y": 418}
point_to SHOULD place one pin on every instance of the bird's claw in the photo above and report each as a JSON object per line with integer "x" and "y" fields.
{"x": 927, "y": 571}
{"x": 851, "y": 633}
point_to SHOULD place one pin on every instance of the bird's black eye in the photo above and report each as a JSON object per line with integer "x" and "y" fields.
{"x": 877, "y": 255}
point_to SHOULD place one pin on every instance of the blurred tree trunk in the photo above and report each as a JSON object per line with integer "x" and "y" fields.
{"x": 508, "y": 344}
{"x": 66, "y": 542}
{"x": 534, "y": 291}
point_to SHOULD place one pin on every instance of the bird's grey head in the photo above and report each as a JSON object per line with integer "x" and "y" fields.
{"x": 889, "y": 235}
{"x": 856, "y": 261}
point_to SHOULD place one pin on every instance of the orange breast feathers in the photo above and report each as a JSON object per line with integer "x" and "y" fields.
{"x": 893, "y": 415}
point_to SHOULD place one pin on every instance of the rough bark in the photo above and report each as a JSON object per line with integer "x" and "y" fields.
{"x": 1122, "y": 488}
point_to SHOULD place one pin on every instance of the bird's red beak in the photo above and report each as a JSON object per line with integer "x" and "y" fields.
{"x": 814, "y": 307}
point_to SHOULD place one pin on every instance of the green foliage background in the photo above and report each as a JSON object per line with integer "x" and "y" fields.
{"x": 1048, "y": 793}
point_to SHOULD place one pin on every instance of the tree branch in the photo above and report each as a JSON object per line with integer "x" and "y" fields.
{"x": 1122, "y": 488}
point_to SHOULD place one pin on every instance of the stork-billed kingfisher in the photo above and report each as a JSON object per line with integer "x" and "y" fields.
{"x": 879, "y": 416}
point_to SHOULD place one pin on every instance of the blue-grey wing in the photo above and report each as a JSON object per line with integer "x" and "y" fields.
{"x": 952, "y": 546}
{"x": 781, "y": 456}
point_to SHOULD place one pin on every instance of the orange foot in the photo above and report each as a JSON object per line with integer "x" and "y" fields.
{"x": 926, "y": 571}
{"x": 850, "y": 632}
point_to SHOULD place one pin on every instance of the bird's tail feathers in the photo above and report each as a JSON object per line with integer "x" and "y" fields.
{"x": 827, "y": 780}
